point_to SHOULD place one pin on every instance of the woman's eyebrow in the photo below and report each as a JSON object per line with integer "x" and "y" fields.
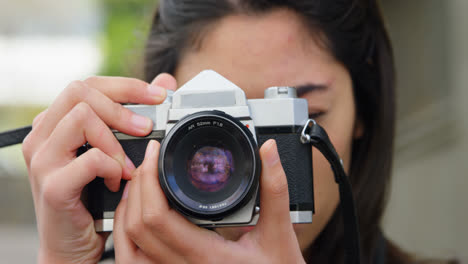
{"x": 309, "y": 87}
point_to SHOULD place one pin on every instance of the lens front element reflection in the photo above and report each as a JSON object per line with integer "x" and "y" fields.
{"x": 210, "y": 168}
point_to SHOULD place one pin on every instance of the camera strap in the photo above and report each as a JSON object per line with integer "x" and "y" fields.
{"x": 14, "y": 136}
{"x": 313, "y": 134}
{"x": 318, "y": 137}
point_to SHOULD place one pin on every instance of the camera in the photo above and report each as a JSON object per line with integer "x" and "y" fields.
{"x": 209, "y": 164}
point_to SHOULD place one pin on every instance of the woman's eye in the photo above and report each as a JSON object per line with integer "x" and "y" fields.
{"x": 315, "y": 115}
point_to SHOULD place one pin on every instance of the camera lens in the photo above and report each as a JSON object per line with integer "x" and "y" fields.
{"x": 210, "y": 168}
{"x": 209, "y": 165}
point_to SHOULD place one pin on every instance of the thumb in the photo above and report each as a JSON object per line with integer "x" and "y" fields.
{"x": 274, "y": 195}
{"x": 165, "y": 80}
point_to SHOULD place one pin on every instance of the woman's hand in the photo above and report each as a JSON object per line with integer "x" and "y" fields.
{"x": 147, "y": 230}
{"x": 82, "y": 113}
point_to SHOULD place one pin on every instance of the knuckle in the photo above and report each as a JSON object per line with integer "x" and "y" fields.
{"x": 132, "y": 227}
{"x": 78, "y": 90}
{"x": 121, "y": 113}
{"x": 91, "y": 80}
{"x": 81, "y": 112}
{"x": 75, "y": 88}
{"x": 154, "y": 221}
{"x": 93, "y": 158}
{"x": 51, "y": 194}
{"x": 36, "y": 164}
{"x": 38, "y": 118}
{"x": 95, "y": 152}
{"x": 96, "y": 159}
{"x": 26, "y": 148}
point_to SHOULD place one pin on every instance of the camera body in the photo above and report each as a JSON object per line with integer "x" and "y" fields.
{"x": 209, "y": 164}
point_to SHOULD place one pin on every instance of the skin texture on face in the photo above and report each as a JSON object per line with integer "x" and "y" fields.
{"x": 276, "y": 49}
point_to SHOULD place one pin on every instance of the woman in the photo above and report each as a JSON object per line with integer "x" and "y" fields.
{"x": 337, "y": 52}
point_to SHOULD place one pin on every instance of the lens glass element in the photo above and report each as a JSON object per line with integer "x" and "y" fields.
{"x": 210, "y": 165}
{"x": 210, "y": 168}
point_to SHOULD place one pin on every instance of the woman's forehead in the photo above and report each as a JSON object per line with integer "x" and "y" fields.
{"x": 257, "y": 52}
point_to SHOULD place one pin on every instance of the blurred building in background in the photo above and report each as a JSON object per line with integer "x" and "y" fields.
{"x": 44, "y": 45}
{"x": 428, "y": 210}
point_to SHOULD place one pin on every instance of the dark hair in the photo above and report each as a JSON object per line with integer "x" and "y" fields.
{"x": 354, "y": 33}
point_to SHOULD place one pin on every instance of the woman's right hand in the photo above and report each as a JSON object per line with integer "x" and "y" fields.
{"x": 82, "y": 113}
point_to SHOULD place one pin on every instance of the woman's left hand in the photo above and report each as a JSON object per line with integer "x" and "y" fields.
{"x": 148, "y": 230}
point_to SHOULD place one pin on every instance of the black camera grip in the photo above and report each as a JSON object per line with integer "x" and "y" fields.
{"x": 96, "y": 197}
{"x": 296, "y": 159}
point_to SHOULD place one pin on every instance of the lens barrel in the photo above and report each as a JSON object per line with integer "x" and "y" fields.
{"x": 209, "y": 165}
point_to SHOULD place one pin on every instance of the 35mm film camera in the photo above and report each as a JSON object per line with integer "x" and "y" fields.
{"x": 209, "y": 166}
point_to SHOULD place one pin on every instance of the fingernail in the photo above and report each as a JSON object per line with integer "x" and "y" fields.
{"x": 129, "y": 164}
{"x": 156, "y": 91}
{"x": 272, "y": 156}
{"x": 125, "y": 192}
{"x": 141, "y": 122}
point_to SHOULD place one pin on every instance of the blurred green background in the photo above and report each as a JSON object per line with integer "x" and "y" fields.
{"x": 125, "y": 29}
{"x": 109, "y": 43}
{"x": 119, "y": 36}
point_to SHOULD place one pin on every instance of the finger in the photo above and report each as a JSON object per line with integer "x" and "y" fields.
{"x": 122, "y": 242}
{"x": 136, "y": 228}
{"x": 116, "y": 89}
{"x": 174, "y": 230}
{"x": 165, "y": 80}
{"x": 27, "y": 145}
{"x": 79, "y": 126}
{"x": 125, "y": 249}
{"x": 38, "y": 118}
{"x": 107, "y": 108}
{"x": 128, "y": 90}
{"x": 149, "y": 176}
{"x": 28, "y": 142}
{"x": 274, "y": 197}
{"x": 65, "y": 186}
{"x": 132, "y": 213}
